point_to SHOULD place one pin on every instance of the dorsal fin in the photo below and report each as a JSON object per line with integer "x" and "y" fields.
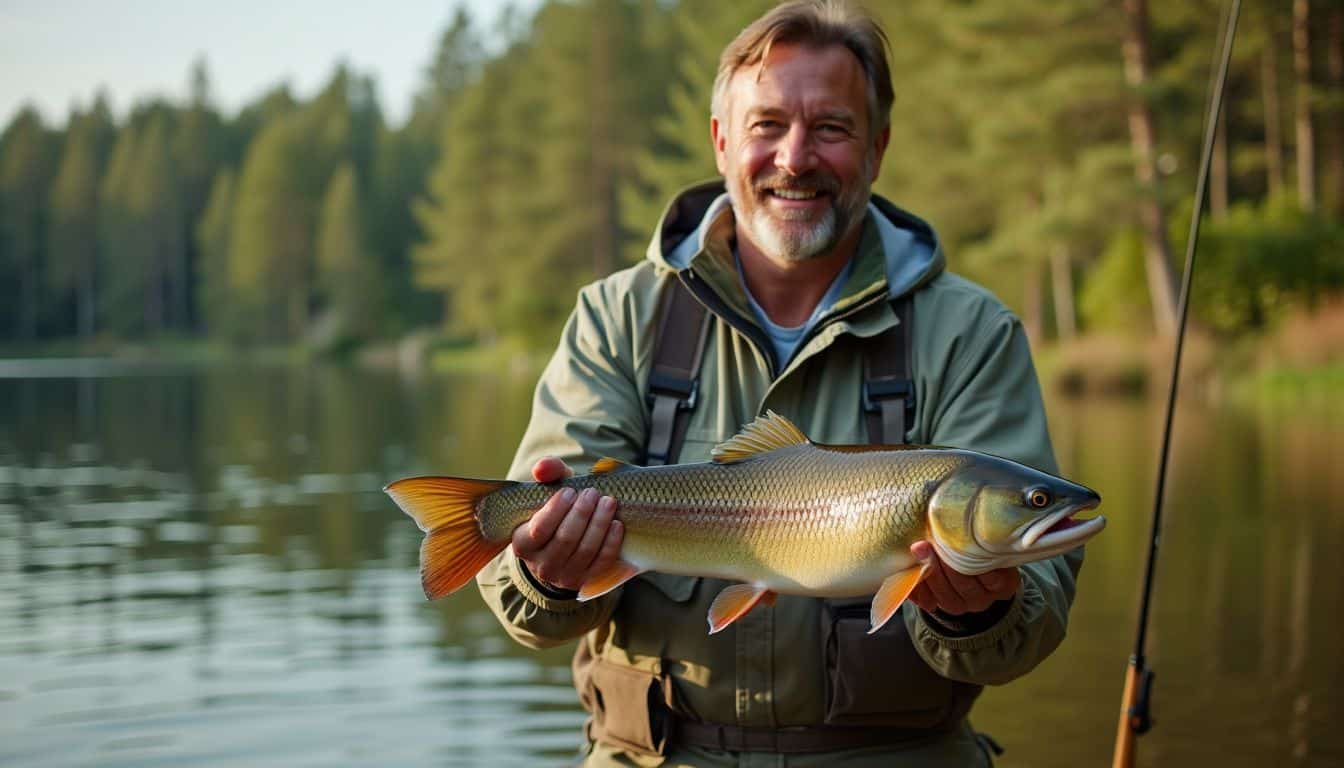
{"x": 766, "y": 433}
{"x": 607, "y": 464}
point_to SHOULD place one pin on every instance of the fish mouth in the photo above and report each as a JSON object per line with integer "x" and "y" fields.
{"x": 1059, "y": 530}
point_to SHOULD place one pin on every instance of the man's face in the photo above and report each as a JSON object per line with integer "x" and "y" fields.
{"x": 797, "y": 151}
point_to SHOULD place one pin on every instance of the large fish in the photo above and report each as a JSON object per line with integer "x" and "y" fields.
{"x": 778, "y": 514}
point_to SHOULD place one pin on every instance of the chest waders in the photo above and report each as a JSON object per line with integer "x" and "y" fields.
{"x": 638, "y": 711}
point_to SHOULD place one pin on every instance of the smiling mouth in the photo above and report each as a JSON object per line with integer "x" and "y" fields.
{"x": 795, "y": 194}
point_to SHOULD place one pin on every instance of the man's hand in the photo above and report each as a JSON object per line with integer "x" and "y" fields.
{"x": 953, "y": 593}
{"x": 572, "y": 535}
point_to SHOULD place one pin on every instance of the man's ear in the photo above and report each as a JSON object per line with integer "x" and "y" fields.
{"x": 718, "y": 135}
{"x": 879, "y": 149}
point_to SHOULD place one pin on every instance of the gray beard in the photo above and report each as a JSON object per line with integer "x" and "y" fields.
{"x": 790, "y": 243}
{"x": 784, "y": 243}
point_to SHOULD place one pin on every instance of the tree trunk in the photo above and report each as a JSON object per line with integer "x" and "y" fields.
{"x": 1269, "y": 85}
{"x": 29, "y": 286}
{"x": 1334, "y": 125}
{"x": 603, "y": 108}
{"x": 85, "y": 301}
{"x": 1143, "y": 140}
{"x": 1306, "y": 149}
{"x": 1061, "y": 278}
{"x": 1032, "y": 310}
{"x": 1218, "y": 169}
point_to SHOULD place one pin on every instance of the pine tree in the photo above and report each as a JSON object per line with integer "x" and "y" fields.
{"x": 348, "y": 278}
{"x": 407, "y": 156}
{"x": 585, "y": 71}
{"x": 679, "y": 152}
{"x": 455, "y": 66}
{"x": 462, "y": 215}
{"x": 27, "y": 165}
{"x": 73, "y": 223}
{"x": 121, "y": 243}
{"x": 218, "y": 306}
{"x": 270, "y": 242}
{"x": 198, "y": 146}
{"x": 156, "y": 204}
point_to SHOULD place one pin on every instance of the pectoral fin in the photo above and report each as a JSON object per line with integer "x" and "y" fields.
{"x": 608, "y": 579}
{"x": 893, "y": 592}
{"x": 734, "y": 602}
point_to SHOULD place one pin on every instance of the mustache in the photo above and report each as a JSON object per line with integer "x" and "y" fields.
{"x": 821, "y": 182}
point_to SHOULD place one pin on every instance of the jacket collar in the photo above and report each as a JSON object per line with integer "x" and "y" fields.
{"x": 898, "y": 252}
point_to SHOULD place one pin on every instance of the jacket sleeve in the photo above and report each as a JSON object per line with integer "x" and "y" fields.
{"x": 989, "y": 399}
{"x": 587, "y": 405}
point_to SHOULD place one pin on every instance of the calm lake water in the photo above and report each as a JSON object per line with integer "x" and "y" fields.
{"x": 197, "y": 567}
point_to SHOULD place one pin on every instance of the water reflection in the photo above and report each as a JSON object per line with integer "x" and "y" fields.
{"x": 197, "y": 567}
{"x": 201, "y": 568}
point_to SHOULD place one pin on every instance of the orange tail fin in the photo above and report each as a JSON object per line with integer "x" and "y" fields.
{"x": 445, "y": 509}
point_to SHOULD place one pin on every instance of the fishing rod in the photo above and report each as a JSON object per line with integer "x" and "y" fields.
{"x": 1135, "y": 717}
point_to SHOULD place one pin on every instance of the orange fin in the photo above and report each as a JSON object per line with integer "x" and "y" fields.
{"x": 454, "y": 548}
{"x": 614, "y": 576}
{"x": 734, "y": 602}
{"x": 765, "y": 434}
{"x": 606, "y": 465}
{"x": 893, "y": 592}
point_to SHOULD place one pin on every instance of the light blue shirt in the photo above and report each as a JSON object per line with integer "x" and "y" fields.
{"x": 782, "y": 338}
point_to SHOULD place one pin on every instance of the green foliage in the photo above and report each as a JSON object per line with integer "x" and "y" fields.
{"x": 1115, "y": 295}
{"x": 219, "y": 306}
{"x": 1263, "y": 259}
{"x": 72, "y": 260}
{"x": 679, "y": 151}
{"x": 27, "y": 164}
{"x": 270, "y": 242}
{"x": 530, "y": 168}
{"x": 348, "y": 277}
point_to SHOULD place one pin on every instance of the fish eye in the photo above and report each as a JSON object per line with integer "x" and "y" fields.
{"x": 1038, "y": 498}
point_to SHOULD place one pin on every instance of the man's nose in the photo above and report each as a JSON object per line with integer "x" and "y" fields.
{"x": 794, "y": 154}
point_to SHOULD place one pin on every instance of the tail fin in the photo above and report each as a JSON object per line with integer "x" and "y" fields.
{"x": 445, "y": 509}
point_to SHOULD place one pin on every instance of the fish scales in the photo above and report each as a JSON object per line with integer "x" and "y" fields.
{"x": 778, "y": 514}
{"x": 802, "y": 512}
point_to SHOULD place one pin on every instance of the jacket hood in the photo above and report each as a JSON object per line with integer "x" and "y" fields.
{"x": 907, "y": 246}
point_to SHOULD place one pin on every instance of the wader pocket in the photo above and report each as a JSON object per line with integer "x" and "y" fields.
{"x": 629, "y": 705}
{"x": 627, "y": 708}
{"x": 880, "y": 679}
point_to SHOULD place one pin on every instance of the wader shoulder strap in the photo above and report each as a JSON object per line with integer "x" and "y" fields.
{"x": 683, "y": 327}
{"x": 888, "y": 388}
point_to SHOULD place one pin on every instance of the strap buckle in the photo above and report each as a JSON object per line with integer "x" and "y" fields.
{"x": 876, "y": 390}
{"x": 685, "y": 391}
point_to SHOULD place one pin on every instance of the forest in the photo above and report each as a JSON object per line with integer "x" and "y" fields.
{"x": 1053, "y": 144}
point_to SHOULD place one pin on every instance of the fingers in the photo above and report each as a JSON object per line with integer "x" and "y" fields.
{"x": 555, "y": 556}
{"x": 948, "y": 599}
{"x": 572, "y": 535}
{"x": 549, "y": 469}
{"x": 528, "y": 540}
{"x": 611, "y": 548}
{"x": 922, "y": 550}
{"x": 591, "y": 543}
{"x": 956, "y": 593}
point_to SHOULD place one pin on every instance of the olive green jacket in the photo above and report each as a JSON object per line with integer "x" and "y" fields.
{"x": 975, "y": 387}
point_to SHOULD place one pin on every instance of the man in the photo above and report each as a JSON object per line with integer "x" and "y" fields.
{"x": 800, "y": 267}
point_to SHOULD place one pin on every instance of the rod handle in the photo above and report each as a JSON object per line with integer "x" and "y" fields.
{"x": 1135, "y": 718}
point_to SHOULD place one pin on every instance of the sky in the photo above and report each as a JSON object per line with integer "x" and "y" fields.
{"x": 57, "y": 53}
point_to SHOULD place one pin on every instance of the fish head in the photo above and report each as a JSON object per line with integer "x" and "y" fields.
{"x": 995, "y": 513}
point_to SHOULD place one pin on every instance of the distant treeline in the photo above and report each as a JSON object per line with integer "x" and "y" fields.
{"x": 1052, "y": 143}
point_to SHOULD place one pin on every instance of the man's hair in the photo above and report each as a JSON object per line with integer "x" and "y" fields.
{"x": 815, "y": 24}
